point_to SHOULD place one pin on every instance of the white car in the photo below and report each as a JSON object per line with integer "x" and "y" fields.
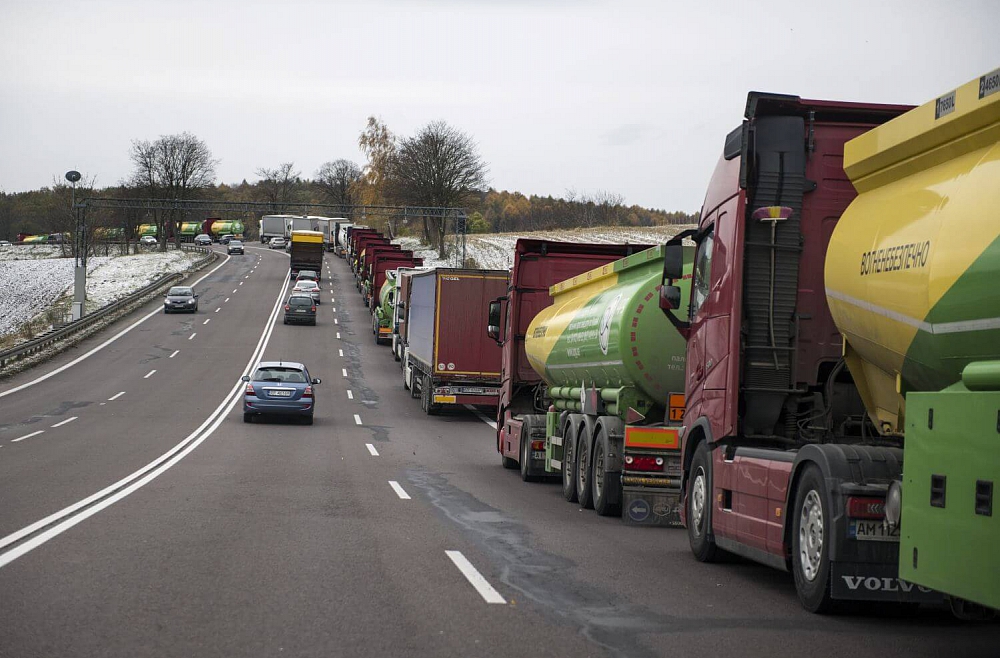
{"x": 5, "y": 243}
{"x": 147, "y": 240}
{"x": 307, "y": 287}
{"x": 276, "y": 243}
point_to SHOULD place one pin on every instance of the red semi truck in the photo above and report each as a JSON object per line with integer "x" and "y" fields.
{"x": 383, "y": 262}
{"x": 449, "y": 358}
{"x": 538, "y": 264}
{"x": 774, "y": 419}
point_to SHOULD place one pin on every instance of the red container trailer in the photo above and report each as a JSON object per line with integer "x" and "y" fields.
{"x": 450, "y": 359}
{"x": 538, "y": 264}
{"x": 371, "y": 251}
{"x": 355, "y": 240}
{"x": 769, "y": 404}
{"x": 380, "y": 265}
{"x": 364, "y": 242}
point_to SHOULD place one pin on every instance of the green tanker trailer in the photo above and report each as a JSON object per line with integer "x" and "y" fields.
{"x": 382, "y": 319}
{"x": 614, "y": 370}
{"x": 220, "y": 228}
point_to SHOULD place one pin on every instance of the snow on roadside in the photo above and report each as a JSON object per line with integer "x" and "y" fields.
{"x": 495, "y": 251}
{"x": 30, "y": 287}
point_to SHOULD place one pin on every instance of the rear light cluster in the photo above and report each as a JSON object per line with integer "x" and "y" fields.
{"x": 646, "y": 463}
{"x": 249, "y": 390}
{"x": 287, "y": 307}
{"x": 865, "y": 508}
{"x": 313, "y": 309}
{"x": 308, "y": 393}
{"x": 538, "y": 445}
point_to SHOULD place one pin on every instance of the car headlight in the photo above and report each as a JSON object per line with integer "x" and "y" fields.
{"x": 190, "y": 301}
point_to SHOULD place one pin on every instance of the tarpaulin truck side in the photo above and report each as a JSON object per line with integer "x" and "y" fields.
{"x": 451, "y": 359}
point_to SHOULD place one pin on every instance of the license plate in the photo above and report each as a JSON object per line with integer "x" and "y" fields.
{"x": 538, "y": 454}
{"x": 300, "y": 310}
{"x": 281, "y": 394}
{"x": 872, "y": 531}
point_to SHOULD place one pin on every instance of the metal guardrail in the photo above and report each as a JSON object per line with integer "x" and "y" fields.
{"x": 37, "y": 344}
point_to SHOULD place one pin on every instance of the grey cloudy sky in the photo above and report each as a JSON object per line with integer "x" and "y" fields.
{"x": 628, "y": 97}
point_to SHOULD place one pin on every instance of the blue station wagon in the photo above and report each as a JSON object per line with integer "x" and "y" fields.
{"x": 279, "y": 388}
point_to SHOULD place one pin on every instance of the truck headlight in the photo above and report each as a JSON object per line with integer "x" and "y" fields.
{"x": 894, "y": 503}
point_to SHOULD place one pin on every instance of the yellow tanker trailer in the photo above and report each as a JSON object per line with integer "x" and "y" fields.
{"x": 912, "y": 273}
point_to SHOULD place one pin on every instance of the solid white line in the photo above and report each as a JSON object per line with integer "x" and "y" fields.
{"x": 192, "y": 335}
{"x": 116, "y": 396}
{"x": 341, "y": 352}
{"x": 343, "y": 371}
{"x": 28, "y": 436}
{"x": 104, "y": 344}
{"x": 372, "y": 449}
{"x": 149, "y": 374}
{"x": 150, "y": 471}
{"x": 207, "y": 321}
{"x": 64, "y": 422}
{"x": 176, "y": 352}
{"x": 483, "y": 417}
{"x": 399, "y": 490}
{"x": 350, "y": 395}
{"x": 475, "y": 578}
{"x": 357, "y": 419}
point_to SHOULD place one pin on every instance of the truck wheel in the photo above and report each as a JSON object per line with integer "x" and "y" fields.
{"x": 427, "y": 395}
{"x": 811, "y": 542}
{"x": 605, "y": 494}
{"x": 584, "y": 492}
{"x": 568, "y": 463}
{"x": 526, "y": 474}
{"x": 699, "y": 506}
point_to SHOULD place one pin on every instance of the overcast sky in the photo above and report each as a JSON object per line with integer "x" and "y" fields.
{"x": 633, "y": 98}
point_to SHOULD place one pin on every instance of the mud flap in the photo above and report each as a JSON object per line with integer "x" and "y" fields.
{"x": 651, "y": 507}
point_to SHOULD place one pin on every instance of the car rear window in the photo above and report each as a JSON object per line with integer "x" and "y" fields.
{"x": 278, "y": 374}
{"x": 301, "y": 301}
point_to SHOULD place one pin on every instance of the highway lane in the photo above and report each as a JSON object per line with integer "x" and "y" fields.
{"x": 111, "y": 438}
{"x": 287, "y": 539}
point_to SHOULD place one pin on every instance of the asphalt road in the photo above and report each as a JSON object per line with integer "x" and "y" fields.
{"x": 211, "y": 537}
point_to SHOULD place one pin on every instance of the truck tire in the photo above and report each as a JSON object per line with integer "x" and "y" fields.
{"x": 811, "y": 541}
{"x": 584, "y": 490}
{"x": 569, "y": 462}
{"x": 427, "y": 395}
{"x": 606, "y": 489}
{"x": 699, "y": 506}
{"x": 525, "y": 450}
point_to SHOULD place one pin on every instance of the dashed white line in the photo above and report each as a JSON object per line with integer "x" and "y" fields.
{"x": 372, "y": 450}
{"x": 176, "y": 352}
{"x": 483, "y": 417}
{"x": 149, "y": 374}
{"x": 234, "y": 290}
{"x": 225, "y": 300}
{"x": 399, "y": 490}
{"x": 338, "y": 334}
{"x": 207, "y": 320}
{"x": 241, "y": 283}
{"x": 357, "y": 419}
{"x": 350, "y": 395}
{"x": 335, "y": 321}
{"x": 340, "y": 352}
{"x": 343, "y": 371}
{"x": 116, "y": 396}
{"x": 475, "y": 578}
{"x": 28, "y": 436}
{"x": 65, "y": 422}
{"x": 192, "y": 335}
{"x": 334, "y": 309}
{"x": 218, "y": 309}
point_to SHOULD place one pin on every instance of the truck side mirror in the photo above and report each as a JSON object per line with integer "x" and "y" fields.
{"x": 670, "y": 298}
{"x": 673, "y": 261}
{"x": 493, "y": 324}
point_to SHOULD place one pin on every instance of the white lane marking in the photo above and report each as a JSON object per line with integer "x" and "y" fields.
{"x": 116, "y": 396}
{"x": 241, "y": 283}
{"x": 207, "y": 321}
{"x": 483, "y": 417}
{"x": 338, "y": 334}
{"x": 28, "y": 436}
{"x": 475, "y": 578}
{"x": 334, "y": 308}
{"x": 176, "y": 352}
{"x": 218, "y": 309}
{"x": 357, "y": 419}
{"x": 104, "y": 498}
{"x": 399, "y": 490}
{"x": 335, "y": 321}
{"x": 247, "y": 276}
{"x": 226, "y": 300}
{"x": 341, "y": 352}
{"x": 65, "y": 422}
{"x": 350, "y": 395}
{"x": 149, "y": 374}
{"x": 372, "y": 450}
{"x": 343, "y": 371}
{"x": 102, "y": 345}
{"x": 192, "y": 335}
{"x": 234, "y": 290}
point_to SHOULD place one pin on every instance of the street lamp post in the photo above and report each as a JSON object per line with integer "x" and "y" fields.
{"x": 79, "y": 254}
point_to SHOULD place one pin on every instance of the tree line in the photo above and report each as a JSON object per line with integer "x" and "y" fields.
{"x": 439, "y": 166}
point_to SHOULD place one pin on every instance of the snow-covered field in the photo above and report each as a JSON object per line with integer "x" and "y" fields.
{"x": 495, "y": 251}
{"x": 32, "y": 280}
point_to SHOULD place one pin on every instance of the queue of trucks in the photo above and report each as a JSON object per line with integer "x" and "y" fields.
{"x": 809, "y": 378}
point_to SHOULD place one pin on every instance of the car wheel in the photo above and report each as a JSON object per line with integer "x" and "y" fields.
{"x": 309, "y": 420}
{"x": 247, "y": 417}
{"x": 811, "y": 542}
{"x": 286, "y": 321}
{"x": 699, "y": 506}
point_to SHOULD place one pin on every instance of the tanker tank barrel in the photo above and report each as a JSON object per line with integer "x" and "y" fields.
{"x": 982, "y": 376}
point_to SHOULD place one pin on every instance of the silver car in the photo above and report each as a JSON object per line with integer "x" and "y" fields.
{"x": 279, "y": 388}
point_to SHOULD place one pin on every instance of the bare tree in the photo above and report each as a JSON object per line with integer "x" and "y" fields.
{"x": 174, "y": 167}
{"x": 439, "y": 166}
{"x": 337, "y": 181}
{"x": 278, "y": 185}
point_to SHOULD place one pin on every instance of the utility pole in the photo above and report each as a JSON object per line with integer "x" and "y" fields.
{"x": 79, "y": 253}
